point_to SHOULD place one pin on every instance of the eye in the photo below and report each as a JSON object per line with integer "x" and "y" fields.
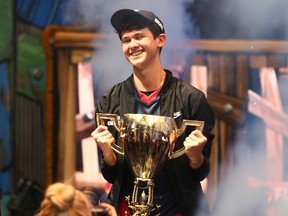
{"x": 125, "y": 41}
{"x": 139, "y": 37}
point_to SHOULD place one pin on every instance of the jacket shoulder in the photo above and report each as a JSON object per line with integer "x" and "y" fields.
{"x": 110, "y": 100}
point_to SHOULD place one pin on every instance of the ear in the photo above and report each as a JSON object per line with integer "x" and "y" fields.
{"x": 161, "y": 40}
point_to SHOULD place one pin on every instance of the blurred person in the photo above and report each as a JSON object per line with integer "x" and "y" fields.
{"x": 65, "y": 200}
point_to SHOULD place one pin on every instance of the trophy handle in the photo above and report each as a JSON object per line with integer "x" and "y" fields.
{"x": 198, "y": 124}
{"x": 100, "y": 117}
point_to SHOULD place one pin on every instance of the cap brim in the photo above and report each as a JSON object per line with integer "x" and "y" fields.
{"x": 126, "y": 16}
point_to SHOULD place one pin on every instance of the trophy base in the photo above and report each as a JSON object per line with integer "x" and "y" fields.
{"x": 143, "y": 205}
{"x": 141, "y": 209}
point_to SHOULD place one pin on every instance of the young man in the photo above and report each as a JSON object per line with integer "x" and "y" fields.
{"x": 153, "y": 90}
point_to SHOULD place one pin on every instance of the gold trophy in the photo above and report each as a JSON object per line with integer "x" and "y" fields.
{"x": 147, "y": 142}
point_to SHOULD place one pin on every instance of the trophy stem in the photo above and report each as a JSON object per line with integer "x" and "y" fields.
{"x": 135, "y": 191}
{"x": 142, "y": 205}
{"x": 150, "y": 192}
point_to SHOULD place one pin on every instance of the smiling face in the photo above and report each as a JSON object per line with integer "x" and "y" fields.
{"x": 141, "y": 48}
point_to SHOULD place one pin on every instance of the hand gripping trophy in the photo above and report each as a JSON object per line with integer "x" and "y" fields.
{"x": 147, "y": 142}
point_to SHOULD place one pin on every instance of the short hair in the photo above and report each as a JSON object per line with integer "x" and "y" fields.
{"x": 135, "y": 26}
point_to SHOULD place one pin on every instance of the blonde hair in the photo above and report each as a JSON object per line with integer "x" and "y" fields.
{"x": 64, "y": 200}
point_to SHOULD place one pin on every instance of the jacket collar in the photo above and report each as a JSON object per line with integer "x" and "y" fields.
{"x": 129, "y": 84}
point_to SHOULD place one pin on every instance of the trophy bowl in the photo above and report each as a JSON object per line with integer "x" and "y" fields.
{"x": 147, "y": 142}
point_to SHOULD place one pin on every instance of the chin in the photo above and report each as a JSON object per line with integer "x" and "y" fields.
{"x": 138, "y": 64}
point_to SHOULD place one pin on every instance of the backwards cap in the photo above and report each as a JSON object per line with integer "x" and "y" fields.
{"x": 126, "y": 16}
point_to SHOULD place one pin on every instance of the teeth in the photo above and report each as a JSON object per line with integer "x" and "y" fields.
{"x": 136, "y": 53}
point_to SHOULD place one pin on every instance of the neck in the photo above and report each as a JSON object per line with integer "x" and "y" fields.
{"x": 149, "y": 79}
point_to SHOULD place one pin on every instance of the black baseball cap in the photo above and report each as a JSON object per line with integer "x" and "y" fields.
{"x": 142, "y": 17}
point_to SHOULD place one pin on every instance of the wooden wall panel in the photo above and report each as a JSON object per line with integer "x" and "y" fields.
{"x": 258, "y": 61}
{"x": 67, "y": 83}
{"x": 276, "y": 61}
{"x": 236, "y": 58}
{"x": 227, "y": 74}
{"x": 29, "y": 140}
{"x": 213, "y": 64}
{"x": 241, "y": 70}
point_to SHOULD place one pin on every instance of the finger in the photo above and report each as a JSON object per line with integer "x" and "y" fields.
{"x": 198, "y": 133}
{"x": 105, "y": 139}
{"x": 198, "y": 136}
{"x": 101, "y": 128}
{"x": 189, "y": 143}
{"x": 100, "y": 131}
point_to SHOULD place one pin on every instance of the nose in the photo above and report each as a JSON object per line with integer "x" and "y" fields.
{"x": 133, "y": 43}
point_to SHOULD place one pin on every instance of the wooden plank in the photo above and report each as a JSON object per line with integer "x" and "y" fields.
{"x": 277, "y": 121}
{"x": 213, "y": 176}
{"x": 241, "y": 76}
{"x": 226, "y": 158}
{"x": 198, "y": 77}
{"x": 81, "y": 55}
{"x": 276, "y": 61}
{"x": 227, "y": 108}
{"x": 227, "y": 74}
{"x": 258, "y": 61}
{"x": 198, "y": 59}
{"x": 274, "y": 141}
{"x": 70, "y": 36}
{"x": 247, "y": 46}
{"x": 64, "y": 39}
{"x": 66, "y": 147}
{"x": 213, "y": 71}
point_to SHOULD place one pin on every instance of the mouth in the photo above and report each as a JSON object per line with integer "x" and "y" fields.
{"x": 137, "y": 53}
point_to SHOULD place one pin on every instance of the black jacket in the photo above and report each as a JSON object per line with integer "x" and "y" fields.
{"x": 176, "y": 97}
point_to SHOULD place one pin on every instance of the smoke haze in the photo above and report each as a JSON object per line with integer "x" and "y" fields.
{"x": 247, "y": 18}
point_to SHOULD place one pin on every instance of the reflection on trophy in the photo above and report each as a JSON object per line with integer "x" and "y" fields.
{"x": 147, "y": 142}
